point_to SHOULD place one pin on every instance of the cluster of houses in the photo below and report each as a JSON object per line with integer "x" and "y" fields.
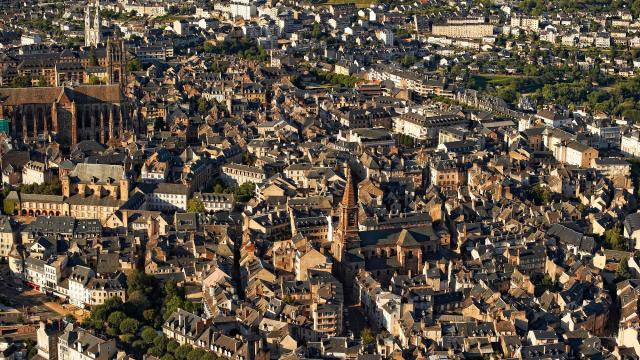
{"x": 320, "y": 180}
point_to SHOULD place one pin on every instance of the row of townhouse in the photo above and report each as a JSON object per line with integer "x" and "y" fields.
{"x": 82, "y": 287}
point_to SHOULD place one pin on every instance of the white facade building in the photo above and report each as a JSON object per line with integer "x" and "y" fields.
{"x": 168, "y": 197}
{"x": 243, "y": 8}
{"x": 630, "y": 144}
{"x": 35, "y": 172}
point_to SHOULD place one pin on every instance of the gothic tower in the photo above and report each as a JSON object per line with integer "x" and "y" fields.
{"x": 346, "y": 236}
{"x": 92, "y": 26}
{"x": 116, "y": 61}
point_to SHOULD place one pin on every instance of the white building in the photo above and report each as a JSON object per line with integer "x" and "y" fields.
{"x": 30, "y": 39}
{"x": 603, "y": 40}
{"x": 238, "y": 174}
{"x": 606, "y": 135}
{"x": 630, "y": 144}
{"x": 87, "y": 289}
{"x": 45, "y": 276}
{"x": 181, "y": 27}
{"x": 243, "y": 8}
{"x": 144, "y": 9}
{"x": 78, "y": 280}
{"x": 386, "y": 36}
{"x": 35, "y": 172}
{"x": 168, "y": 197}
{"x": 553, "y": 118}
{"x": 155, "y": 171}
{"x": 525, "y": 22}
{"x": 216, "y": 202}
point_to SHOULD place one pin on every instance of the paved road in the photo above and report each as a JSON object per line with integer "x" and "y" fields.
{"x": 27, "y": 300}
{"x": 357, "y": 320}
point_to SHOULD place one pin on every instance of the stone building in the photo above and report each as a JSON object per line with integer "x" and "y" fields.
{"x": 381, "y": 252}
{"x": 98, "y": 180}
{"x": 106, "y": 63}
{"x": 67, "y": 115}
{"x": 92, "y": 26}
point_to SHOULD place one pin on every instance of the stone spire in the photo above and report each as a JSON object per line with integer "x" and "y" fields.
{"x": 349, "y": 195}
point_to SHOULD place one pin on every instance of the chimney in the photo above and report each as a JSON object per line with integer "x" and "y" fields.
{"x": 199, "y": 326}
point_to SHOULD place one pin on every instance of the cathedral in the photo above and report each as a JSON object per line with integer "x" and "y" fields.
{"x": 68, "y": 114}
{"x": 104, "y": 58}
{"x": 382, "y": 253}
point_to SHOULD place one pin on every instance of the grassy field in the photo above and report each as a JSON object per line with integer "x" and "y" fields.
{"x": 359, "y": 3}
{"x": 484, "y": 80}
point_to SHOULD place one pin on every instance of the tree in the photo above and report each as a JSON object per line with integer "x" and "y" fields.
{"x": 408, "y": 61}
{"x": 134, "y": 65}
{"x": 171, "y": 288}
{"x": 197, "y": 354}
{"x": 129, "y": 326}
{"x": 182, "y": 352}
{"x": 203, "y": 106}
{"x": 94, "y": 80}
{"x": 316, "y": 31}
{"x": 20, "y": 81}
{"x": 540, "y": 196}
{"x": 368, "y": 338}
{"x": 507, "y": 93}
{"x": 622, "y": 271}
{"x": 208, "y": 47}
{"x": 138, "y": 346}
{"x": 138, "y": 280}
{"x": 217, "y": 188}
{"x": 149, "y": 315}
{"x": 613, "y": 239}
{"x": 155, "y": 351}
{"x": 246, "y": 191}
{"x": 172, "y": 346}
{"x": 160, "y": 342}
{"x": 128, "y": 338}
{"x": 148, "y": 334}
{"x": 195, "y": 206}
{"x": 167, "y": 357}
{"x": 172, "y": 304}
{"x": 32, "y": 349}
{"x": 116, "y": 318}
{"x": 101, "y": 312}
{"x": 635, "y": 8}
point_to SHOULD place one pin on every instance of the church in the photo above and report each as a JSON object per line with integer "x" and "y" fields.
{"x": 102, "y": 60}
{"x": 69, "y": 111}
{"x": 68, "y": 115}
{"x": 382, "y": 253}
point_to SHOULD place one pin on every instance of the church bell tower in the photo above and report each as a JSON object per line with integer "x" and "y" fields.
{"x": 92, "y": 25}
{"x": 346, "y": 236}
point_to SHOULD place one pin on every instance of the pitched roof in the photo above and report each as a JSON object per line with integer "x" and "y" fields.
{"x": 84, "y": 94}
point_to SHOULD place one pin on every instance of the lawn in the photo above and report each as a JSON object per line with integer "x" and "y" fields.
{"x": 359, "y": 3}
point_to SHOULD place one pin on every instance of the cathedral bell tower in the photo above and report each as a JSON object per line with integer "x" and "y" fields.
{"x": 92, "y": 25}
{"x": 346, "y": 236}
